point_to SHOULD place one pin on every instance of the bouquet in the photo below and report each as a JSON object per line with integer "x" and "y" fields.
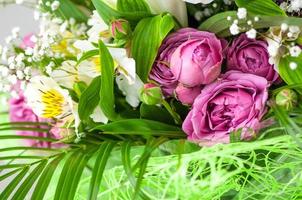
{"x": 154, "y": 99}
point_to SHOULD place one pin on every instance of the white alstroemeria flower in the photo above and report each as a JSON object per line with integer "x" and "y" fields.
{"x": 47, "y": 100}
{"x": 131, "y": 91}
{"x": 199, "y": 1}
{"x": 176, "y": 7}
{"x": 98, "y": 116}
{"x": 91, "y": 67}
{"x": 99, "y": 29}
{"x": 125, "y": 65}
{"x": 67, "y": 75}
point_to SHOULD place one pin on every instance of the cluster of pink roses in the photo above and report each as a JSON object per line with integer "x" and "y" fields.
{"x": 189, "y": 66}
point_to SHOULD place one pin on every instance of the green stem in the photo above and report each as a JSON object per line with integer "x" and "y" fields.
{"x": 175, "y": 115}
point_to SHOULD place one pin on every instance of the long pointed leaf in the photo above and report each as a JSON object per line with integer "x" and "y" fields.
{"x": 67, "y": 171}
{"x": 141, "y": 127}
{"x": 98, "y": 170}
{"x": 28, "y": 183}
{"x": 11, "y": 166}
{"x": 108, "y": 14}
{"x": 147, "y": 38}
{"x": 29, "y": 148}
{"x": 3, "y": 177}
{"x": 71, "y": 174}
{"x": 11, "y": 137}
{"x": 45, "y": 178}
{"x": 107, "y": 86}
{"x": 20, "y": 157}
{"x": 126, "y": 160}
{"x": 90, "y": 99}
{"x": 13, "y": 184}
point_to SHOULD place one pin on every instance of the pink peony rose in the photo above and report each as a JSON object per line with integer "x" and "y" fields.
{"x": 251, "y": 56}
{"x": 237, "y": 101}
{"x": 188, "y": 56}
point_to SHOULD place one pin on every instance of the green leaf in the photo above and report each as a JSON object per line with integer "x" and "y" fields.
{"x": 13, "y": 184}
{"x": 29, "y": 148}
{"x": 149, "y": 148}
{"x": 28, "y": 183}
{"x": 147, "y": 38}
{"x": 291, "y": 77}
{"x": 90, "y": 99}
{"x": 79, "y": 88}
{"x": 88, "y": 55}
{"x": 133, "y": 6}
{"x": 261, "y": 7}
{"x": 70, "y": 175}
{"x": 11, "y": 166}
{"x": 107, "y": 97}
{"x": 44, "y": 124}
{"x": 289, "y": 125}
{"x": 45, "y": 178}
{"x": 18, "y": 137}
{"x": 141, "y": 127}
{"x": 99, "y": 167}
{"x": 66, "y": 10}
{"x": 126, "y": 160}
{"x": 156, "y": 113}
{"x": 20, "y": 157}
{"x": 108, "y": 14}
{"x": 219, "y": 24}
{"x": 18, "y": 128}
{"x": 3, "y": 177}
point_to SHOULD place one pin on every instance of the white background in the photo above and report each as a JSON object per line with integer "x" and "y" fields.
{"x": 16, "y": 15}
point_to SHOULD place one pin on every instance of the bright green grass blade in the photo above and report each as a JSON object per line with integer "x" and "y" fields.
{"x": 20, "y": 157}
{"x": 71, "y": 174}
{"x": 126, "y": 160}
{"x": 99, "y": 167}
{"x": 67, "y": 171}
{"x": 20, "y": 137}
{"x": 19, "y": 128}
{"x": 45, "y": 178}
{"x": 74, "y": 182}
{"x": 25, "y": 124}
{"x": 29, "y": 148}
{"x": 29, "y": 181}
{"x": 3, "y": 177}
{"x": 11, "y": 166}
{"x": 142, "y": 171}
{"x": 13, "y": 184}
{"x": 149, "y": 148}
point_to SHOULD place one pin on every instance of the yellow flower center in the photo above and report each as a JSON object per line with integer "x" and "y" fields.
{"x": 53, "y": 103}
{"x": 97, "y": 63}
{"x": 62, "y": 45}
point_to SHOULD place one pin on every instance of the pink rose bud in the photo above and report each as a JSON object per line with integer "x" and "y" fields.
{"x": 120, "y": 29}
{"x": 235, "y": 102}
{"x": 151, "y": 94}
{"x": 187, "y": 95}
